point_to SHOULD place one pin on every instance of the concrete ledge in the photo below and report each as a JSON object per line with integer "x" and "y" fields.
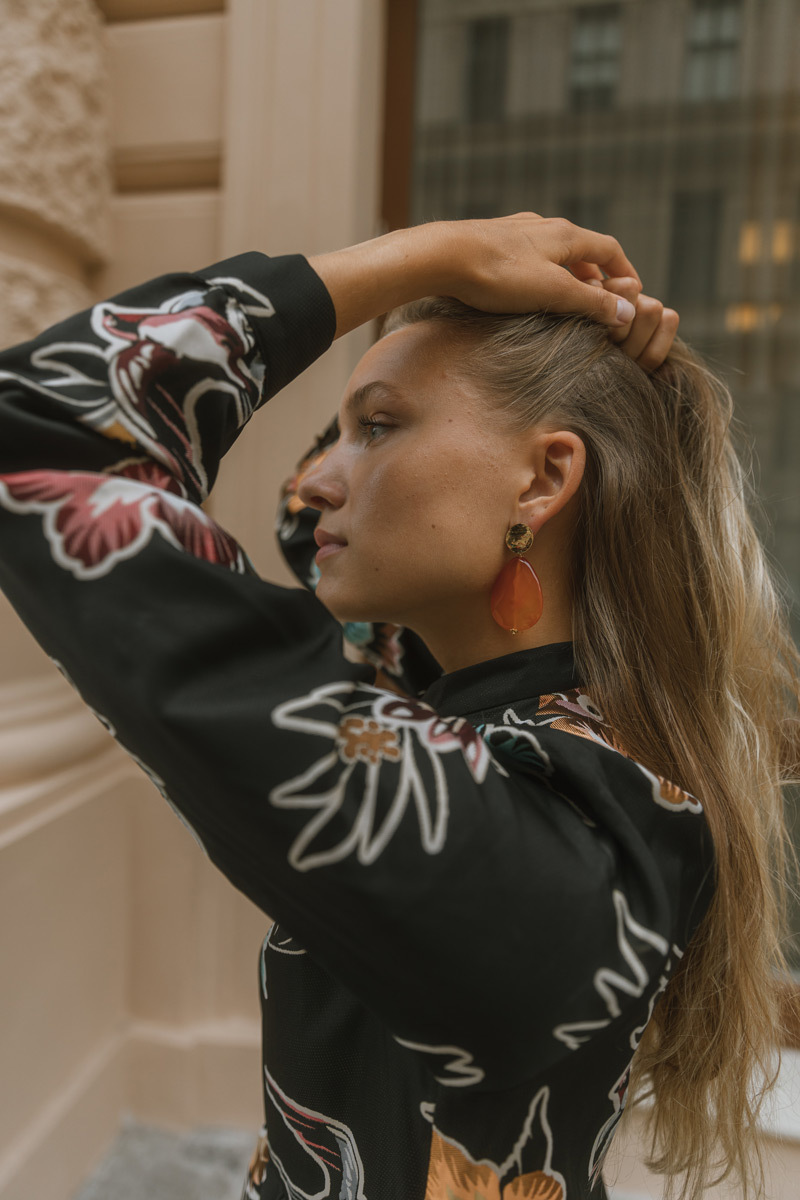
{"x": 180, "y": 1079}
{"x": 71, "y": 1133}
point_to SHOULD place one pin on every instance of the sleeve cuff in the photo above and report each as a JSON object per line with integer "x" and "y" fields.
{"x": 303, "y": 324}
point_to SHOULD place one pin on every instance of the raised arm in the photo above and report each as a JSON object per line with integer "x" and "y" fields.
{"x": 507, "y": 264}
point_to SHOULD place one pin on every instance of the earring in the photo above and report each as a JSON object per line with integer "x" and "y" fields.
{"x": 517, "y": 593}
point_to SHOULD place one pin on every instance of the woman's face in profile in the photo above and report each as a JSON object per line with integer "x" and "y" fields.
{"x": 421, "y": 486}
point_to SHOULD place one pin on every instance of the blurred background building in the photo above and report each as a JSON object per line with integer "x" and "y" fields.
{"x": 140, "y": 136}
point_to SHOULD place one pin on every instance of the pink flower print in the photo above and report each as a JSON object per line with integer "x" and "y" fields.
{"x": 92, "y": 521}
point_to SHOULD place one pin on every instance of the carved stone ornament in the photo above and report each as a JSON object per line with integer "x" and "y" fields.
{"x": 53, "y": 105}
{"x": 34, "y": 298}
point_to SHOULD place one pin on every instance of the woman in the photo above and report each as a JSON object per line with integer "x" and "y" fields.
{"x": 552, "y": 849}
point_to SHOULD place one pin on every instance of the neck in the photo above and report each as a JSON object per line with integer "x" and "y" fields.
{"x": 467, "y": 639}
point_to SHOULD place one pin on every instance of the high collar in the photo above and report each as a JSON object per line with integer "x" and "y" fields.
{"x": 522, "y": 675}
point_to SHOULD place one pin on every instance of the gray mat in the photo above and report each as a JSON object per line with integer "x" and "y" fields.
{"x": 146, "y": 1163}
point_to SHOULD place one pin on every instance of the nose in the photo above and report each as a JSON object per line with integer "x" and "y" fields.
{"x": 320, "y": 485}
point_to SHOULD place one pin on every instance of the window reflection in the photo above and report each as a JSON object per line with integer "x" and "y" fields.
{"x": 673, "y": 124}
{"x": 694, "y": 247}
{"x": 712, "y": 51}
{"x": 487, "y": 68}
{"x": 594, "y": 60}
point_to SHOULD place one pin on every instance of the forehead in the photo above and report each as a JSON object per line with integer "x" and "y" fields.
{"x": 414, "y": 357}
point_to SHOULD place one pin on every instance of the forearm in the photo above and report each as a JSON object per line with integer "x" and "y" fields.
{"x": 507, "y": 264}
{"x": 369, "y": 279}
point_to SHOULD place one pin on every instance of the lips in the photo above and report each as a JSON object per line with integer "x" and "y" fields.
{"x": 323, "y": 538}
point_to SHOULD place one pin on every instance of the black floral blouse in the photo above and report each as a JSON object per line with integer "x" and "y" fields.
{"x": 478, "y": 895}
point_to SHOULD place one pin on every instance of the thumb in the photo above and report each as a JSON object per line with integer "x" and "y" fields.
{"x": 592, "y": 300}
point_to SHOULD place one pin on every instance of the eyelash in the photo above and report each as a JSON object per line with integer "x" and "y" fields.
{"x": 367, "y": 423}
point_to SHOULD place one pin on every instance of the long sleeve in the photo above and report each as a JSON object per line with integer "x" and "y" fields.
{"x": 437, "y": 871}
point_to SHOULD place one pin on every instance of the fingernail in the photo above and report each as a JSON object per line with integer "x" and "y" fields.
{"x": 625, "y": 311}
{"x": 595, "y": 282}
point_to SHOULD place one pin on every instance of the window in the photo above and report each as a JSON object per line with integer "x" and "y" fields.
{"x": 487, "y": 68}
{"x": 594, "y": 64}
{"x": 591, "y": 212}
{"x": 694, "y": 252}
{"x": 712, "y": 50}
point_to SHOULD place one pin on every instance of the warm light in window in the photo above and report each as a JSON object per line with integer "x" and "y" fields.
{"x": 750, "y": 242}
{"x": 744, "y": 318}
{"x": 752, "y": 247}
{"x": 782, "y": 241}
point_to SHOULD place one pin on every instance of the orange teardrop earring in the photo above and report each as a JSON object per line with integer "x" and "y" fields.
{"x": 517, "y": 593}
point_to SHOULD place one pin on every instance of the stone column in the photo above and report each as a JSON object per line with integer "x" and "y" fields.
{"x": 54, "y": 190}
{"x": 63, "y": 919}
{"x": 54, "y": 184}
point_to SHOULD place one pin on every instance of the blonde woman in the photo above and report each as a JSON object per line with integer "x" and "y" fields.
{"x": 521, "y": 855}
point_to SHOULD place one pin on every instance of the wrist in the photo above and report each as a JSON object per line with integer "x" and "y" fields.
{"x": 369, "y": 279}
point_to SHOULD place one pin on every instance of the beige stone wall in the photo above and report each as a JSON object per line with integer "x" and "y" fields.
{"x": 139, "y": 136}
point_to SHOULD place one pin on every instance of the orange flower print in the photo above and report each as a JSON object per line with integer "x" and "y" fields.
{"x": 575, "y": 712}
{"x": 256, "y": 1172}
{"x": 454, "y": 1175}
{"x": 365, "y": 741}
{"x": 451, "y": 1176}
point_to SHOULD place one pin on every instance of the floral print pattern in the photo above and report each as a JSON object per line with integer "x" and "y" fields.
{"x": 92, "y": 522}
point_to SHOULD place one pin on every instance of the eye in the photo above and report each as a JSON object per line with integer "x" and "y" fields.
{"x": 369, "y": 425}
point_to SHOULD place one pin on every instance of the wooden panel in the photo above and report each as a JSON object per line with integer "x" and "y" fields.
{"x": 166, "y": 101}
{"x": 172, "y": 231}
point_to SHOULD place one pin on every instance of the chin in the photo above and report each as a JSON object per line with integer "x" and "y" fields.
{"x": 354, "y": 612}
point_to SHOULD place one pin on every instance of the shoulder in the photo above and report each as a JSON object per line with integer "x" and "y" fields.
{"x": 649, "y": 824}
{"x": 576, "y": 713}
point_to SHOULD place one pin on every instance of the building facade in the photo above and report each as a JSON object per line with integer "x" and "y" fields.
{"x": 672, "y": 124}
{"x": 137, "y": 137}
{"x": 140, "y": 136}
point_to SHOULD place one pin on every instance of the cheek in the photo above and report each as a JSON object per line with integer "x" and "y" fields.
{"x": 427, "y": 520}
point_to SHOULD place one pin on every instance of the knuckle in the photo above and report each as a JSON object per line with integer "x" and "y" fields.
{"x": 651, "y": 306}
{"x": 562, "y": 227}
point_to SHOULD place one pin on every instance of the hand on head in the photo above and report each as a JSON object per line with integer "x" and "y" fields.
{"x": 509, "y": 264}
{"x": 527, "y": 244}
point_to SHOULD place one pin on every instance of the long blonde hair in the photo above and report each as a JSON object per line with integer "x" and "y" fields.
{"x": 681, "y": 634}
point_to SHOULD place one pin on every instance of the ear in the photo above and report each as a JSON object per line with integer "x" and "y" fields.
{"x": 557, "y": 461}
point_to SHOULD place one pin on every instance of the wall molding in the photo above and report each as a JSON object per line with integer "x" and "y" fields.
{"x": 54, "y": 756}
{"x": 44, "y": 727}
{"x": 148, "y": 10}
{"x": 153, "y": 1073}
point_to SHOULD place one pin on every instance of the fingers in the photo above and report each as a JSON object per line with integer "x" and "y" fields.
{"x": 648, "y": 338}
{"x": 570, "y": 295}
{"x": 660, "y": 343}
{"x": 584, "y": 245}
{"x": 587, "y": 272}
{"x": 629, "y": 289}
{"x": 516, "y": 264}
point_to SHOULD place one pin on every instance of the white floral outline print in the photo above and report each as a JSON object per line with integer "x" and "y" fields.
{"x": 418, "y": 729}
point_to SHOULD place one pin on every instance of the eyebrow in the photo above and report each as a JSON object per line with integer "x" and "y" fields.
{"x": 362, "y": 395}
